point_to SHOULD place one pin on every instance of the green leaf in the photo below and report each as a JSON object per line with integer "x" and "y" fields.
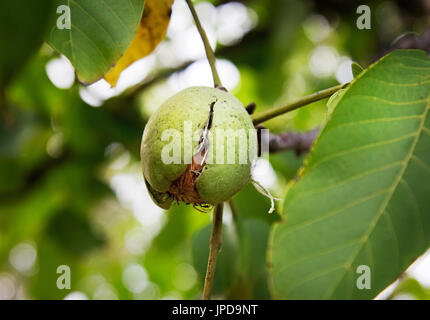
{"x": 363, "y": 196}
{"x": 100, "y": 33}
{"x": 22, "y": 28}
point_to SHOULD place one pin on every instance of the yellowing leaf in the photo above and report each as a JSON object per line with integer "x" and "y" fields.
{"x": 151, "y": 32}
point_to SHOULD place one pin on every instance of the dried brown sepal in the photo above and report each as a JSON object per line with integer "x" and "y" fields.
{"x": 184, "y": 188}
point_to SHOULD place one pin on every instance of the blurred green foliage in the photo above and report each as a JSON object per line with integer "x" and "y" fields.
{"x": 70, "y": 180}
{"x": 22, "y": 28}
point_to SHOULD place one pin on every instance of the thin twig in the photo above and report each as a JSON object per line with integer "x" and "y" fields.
{"x": 214, "y": 248}
{"x": 209, "y": 52}
{"x": 274, "y": 112}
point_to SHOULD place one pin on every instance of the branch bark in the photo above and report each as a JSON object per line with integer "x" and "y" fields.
{"x": 410, "y": 41}
{"x": 298, "y": 142}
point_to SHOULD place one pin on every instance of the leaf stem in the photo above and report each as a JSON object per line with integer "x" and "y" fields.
{"x": 214, "y": 248}
{"x": 274, "y": 112}
{"x": 209, "y": 52}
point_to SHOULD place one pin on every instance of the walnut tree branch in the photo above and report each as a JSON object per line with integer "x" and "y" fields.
{"x": 298, "y": 142}
{"x": 410, "y": 41}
